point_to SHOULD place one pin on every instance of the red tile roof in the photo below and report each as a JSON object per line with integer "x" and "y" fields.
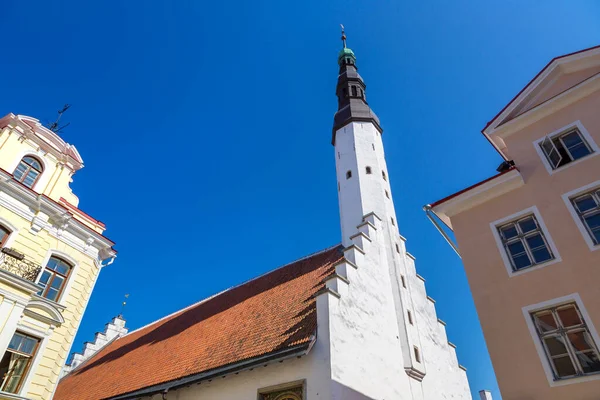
{"x": 267, "y": 315}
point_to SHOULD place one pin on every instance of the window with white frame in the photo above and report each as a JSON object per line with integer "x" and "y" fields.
{"x": 588, "y": 208}
{"x": 567, "y": 341}
{"x": 564, "y": 148}
{"x": 525, "y": 243}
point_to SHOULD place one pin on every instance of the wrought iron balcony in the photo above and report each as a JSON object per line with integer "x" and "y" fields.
{"x": 15, "y": 263}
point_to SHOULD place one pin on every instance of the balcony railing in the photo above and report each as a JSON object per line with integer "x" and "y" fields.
{"x": 15, "y": 263}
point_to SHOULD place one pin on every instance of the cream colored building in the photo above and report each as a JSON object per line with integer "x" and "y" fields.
{"x": 51, "y": 255}
{"x": 529, "y": 236}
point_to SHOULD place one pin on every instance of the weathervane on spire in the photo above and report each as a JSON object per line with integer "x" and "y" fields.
{"x": 343, "y": 35}
{"x": 123, "y": 305}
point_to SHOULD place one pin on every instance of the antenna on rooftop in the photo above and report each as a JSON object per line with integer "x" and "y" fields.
{"x": 55, "y": 127}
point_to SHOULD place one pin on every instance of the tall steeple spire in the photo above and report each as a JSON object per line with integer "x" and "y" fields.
{"x": 351, "y": 92}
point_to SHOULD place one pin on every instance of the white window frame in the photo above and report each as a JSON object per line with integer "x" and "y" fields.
{"x": 571, "y": 298}
{"x": 584, "y": 133}
{"x": 580, "y": 225}
{"x": 505, "y": 258}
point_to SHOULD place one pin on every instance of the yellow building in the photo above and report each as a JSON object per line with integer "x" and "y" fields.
{"x": 51, "y": 256}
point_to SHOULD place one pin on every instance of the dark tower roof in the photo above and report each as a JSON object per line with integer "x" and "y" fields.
{"x": 351, "y": 93}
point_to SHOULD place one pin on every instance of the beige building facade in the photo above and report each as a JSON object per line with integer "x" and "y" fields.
{"x": 51, "y": 253}
{"x": 529, "y": 236}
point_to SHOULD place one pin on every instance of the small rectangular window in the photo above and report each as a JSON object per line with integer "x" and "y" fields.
{"x": 565, "y": 148}
{"x": 387, "y": 194}
{"x": 410, "y": 320}
{"x": 397, "y": 248}
{"x": 348, "y": 174}
{"x": 383, "y": 175}
{"x": 393, "y": 222}
{"x": 403, "y": 281}
{"x": 16, "y": 362}
{"x": 567, "y": 341}
{"x": 417, "y": 354}
{"x": 368, "y": 169}
{"x": 525, "y": 243}
{"x": 588, "y": 209}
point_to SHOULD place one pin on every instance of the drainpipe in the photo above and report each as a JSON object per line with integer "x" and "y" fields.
{"x": 430, "y": 214}
{"x": 164, "y": 394}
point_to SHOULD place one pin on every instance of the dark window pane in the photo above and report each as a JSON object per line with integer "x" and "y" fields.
{"x": 509, "y": 231}
{"x": 556, "y": 345}
{"x": 541, "y": 255}
{"x": 589, "y": 361}
{"x": 579, "y": 151}
{"x": 593, "y": 221}
{"x": 15, "y": 342}
{"x": 569, "y": 316}
{"x": 521, "y": 261}
{"x": 581, "y": 341}
{"x": 62, "y": 268}
{"x": 45, "y": 277}
{"x": 564, "y": 366}
{"x": 585, "y": 203}
{"x": 57, "y": 282}
{"x": 575, "y": 145}
{"x": 52, "y": 294}
{"x": 527, "y": 225}
{"x": 28, "y": 345}
{"x": 545, "y": 322}
{"x": 516, "y": 248}
{"x": 535, "y": 241}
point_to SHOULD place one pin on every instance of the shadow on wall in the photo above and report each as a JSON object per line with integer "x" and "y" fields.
{"x": 340, "y": 391}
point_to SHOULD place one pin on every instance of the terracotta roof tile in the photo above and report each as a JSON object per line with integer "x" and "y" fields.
{"x": 271, "y": 313}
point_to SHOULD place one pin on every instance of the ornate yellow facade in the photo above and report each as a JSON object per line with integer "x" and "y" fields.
{"x": 51, "y": 256}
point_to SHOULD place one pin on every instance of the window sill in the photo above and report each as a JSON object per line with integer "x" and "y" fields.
{"x": 12, "y": 396}
{"x": 534, "y": 267}
{"x": 562, "y": 168}
{"x": 579, "y": 379}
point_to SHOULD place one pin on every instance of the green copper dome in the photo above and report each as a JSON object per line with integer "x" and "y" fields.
{"x": 344, "y": 53}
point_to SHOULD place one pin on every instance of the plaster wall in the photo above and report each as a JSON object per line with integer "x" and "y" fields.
{"x": 38, "y": 247}
{"x": 246, "y": 385}
{"x": 372, "y": 340}
{"x": 500, "y": 298}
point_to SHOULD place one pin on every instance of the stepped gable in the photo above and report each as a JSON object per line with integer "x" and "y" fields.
{"x": 271, "y": 314}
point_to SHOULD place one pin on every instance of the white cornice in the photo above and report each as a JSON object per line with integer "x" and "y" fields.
{"x": 479, "y": 194}
{"x": 44, "y": 213}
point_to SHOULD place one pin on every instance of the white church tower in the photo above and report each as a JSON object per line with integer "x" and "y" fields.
{"x": 383, "y": 318}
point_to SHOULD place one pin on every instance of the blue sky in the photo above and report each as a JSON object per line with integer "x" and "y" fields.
{"x": 206, "y": 127}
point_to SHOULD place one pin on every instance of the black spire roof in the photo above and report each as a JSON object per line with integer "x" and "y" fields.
{"x": 352, "y": 100}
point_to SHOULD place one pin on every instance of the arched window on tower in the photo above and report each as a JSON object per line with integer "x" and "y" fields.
{"x": 4, "y": 234}
{"x": 348, "y": 174}
{"x": 354, "y": 93}
{"x": 28, "y": 171}
{"x": 54, "y": 278}
{"x": 368, "y": 170}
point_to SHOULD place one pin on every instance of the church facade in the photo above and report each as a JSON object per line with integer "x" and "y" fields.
{"x": 349, "y": 322}
{"x": 51, "y": 254}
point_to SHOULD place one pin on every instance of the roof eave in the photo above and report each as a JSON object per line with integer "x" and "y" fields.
{"x": 477, "y": 194}
{"x": 280, "y": 355}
